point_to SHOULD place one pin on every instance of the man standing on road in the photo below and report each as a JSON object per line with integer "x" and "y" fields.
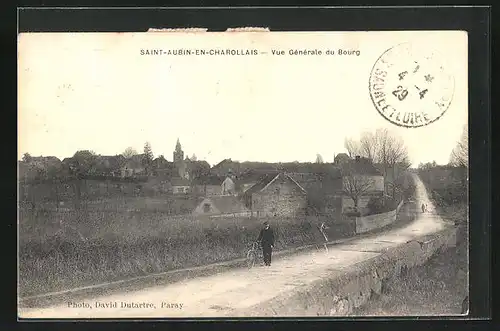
{"x": 266, "y": 240}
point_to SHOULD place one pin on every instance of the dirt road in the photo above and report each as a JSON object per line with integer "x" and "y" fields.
{"x": 224, "y": 294}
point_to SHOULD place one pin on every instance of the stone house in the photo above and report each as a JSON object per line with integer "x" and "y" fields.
{"x": 207, "y": 185}
{"x": 276, "y": 195}
{"x": 224, "y": 167}
{"x": 196, "y": 169}
{"x": 324, "y": 189}
{"x": 341, "y": 158}
{"x": 249, "y": 178}
{"x": 180, "y": 186}
{"x": 109, "y": 165}
{"x": 163, "y": 168}
{"x": 133, "y": 166}
{"x": 361, "y": 180}
{"x": 227, "y": 205}
{"x": 392, "y": 175}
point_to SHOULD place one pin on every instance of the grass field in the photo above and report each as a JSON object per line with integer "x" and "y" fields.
{"x": 92, "y": 247}
{"x": 438, "y": 287}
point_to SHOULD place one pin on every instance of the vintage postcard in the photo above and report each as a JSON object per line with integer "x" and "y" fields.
{"x": 186, "y": 174}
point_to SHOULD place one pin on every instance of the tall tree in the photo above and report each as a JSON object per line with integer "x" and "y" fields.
{"x": 148, "y": 157}
{"x": 460, "y": 154}
{"x": 355, "y": 185}
{"x": 384, "y": 148}
{"x": 27, "y": 158}
{"x": 129, "y": 152}
{"x": 352, "y": 147}
{"x": 319, "y": 158}
{"x": 369, "y": 144}
{"x": 83, "y": 163}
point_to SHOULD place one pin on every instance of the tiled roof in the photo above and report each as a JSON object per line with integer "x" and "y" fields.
{"x": 252, "y": 176}
{"x": 361, "y": 166}
{"x": 110, "y": 161}
{"x": 209, "y": 180}
{"x": 308, "y": 167}
{"x": 135, "y": 161}
{"x": 261, "y": 183}
{"x": 341, "y": 157}
{"x": 201, "y": 163}
{"x": 223, "y": 162}
{"x": 268, "y": 179}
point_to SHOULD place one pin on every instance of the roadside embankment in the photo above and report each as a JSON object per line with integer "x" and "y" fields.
{"x": 440, "y": 286}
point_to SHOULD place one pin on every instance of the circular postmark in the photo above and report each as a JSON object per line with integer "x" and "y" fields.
{"x": 410, "y": 87}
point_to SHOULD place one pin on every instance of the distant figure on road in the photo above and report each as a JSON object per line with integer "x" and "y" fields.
{"x": 423, "y": 208}
{"x": 266, "y": 240}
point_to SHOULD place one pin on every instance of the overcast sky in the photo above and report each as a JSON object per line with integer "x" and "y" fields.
{"x": 96, "y": 92}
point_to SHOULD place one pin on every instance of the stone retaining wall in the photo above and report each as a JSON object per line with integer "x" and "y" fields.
{"x": 371, "y": 222}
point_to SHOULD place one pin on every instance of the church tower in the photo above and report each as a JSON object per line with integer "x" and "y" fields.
{"x": 178, "y": 153}
{"x": 179, "y": 161}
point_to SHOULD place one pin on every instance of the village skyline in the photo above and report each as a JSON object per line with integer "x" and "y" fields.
{"x": 188, "y": 154}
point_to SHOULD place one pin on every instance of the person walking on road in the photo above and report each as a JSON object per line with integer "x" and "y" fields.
{"x": 423, "y": 208}
{"x": 266, "y": 240}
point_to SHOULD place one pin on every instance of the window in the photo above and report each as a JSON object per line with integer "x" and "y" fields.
{"x": 206, "y": 208}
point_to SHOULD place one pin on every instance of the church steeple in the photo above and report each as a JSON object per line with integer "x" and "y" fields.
{"x": 178, "y": 153}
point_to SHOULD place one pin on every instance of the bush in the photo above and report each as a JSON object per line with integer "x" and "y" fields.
{"x": 376, "y": 205}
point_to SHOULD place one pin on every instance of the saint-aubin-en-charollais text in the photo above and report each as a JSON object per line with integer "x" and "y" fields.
{"x": 251, "y": 52}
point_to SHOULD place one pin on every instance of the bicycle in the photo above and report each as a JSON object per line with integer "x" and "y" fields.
{"x": 252, "y": 254}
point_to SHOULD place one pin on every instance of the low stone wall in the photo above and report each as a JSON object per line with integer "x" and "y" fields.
{"x": 371, "y": 222}
{"x": 347, "y": 289}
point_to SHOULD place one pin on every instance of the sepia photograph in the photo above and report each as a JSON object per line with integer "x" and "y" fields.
{"x": 246, "y": 173}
